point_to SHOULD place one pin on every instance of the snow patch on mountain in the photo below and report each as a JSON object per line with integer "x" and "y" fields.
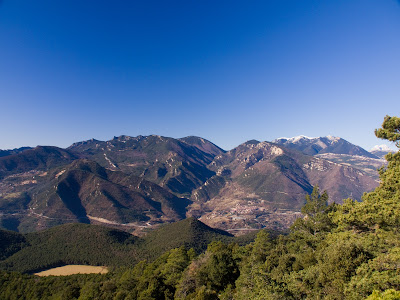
{"x": 295, "y": 139}
{"x": 384, "y": 148}
{"x": 325, "y": 144}
{"x": 333, "y": 138}
{"x": 302, "y": 138}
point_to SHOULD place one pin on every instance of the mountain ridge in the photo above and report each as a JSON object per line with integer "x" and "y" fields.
{"x": 260, "y": 184}
{"x": 174, "y": 164}
{"x": 8, "y": 152}
{"x": 135, "y": 183}
{"x": 321, "y": 145}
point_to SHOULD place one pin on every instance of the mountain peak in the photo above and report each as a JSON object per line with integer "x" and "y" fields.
{"x": 299, "y": 138}
{"x": 252, "y": 142}
{"x": 381, "y": 150}
{"x": 123, "y": 137}
{"x": 304, "y": 138}
{"x": 384, "y": 148}
{"x": 333, "y": 138}
{"x": 321, "y": 145}
{"x": 83, "y": 143}
{"x": 202, "y": 144}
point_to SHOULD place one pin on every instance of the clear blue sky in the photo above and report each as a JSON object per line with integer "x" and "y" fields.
{"x": 228, "y": 71}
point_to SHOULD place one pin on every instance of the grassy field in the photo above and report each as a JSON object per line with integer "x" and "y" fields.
{"x": 73, "y": 269}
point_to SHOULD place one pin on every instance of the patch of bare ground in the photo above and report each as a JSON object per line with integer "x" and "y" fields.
{"x": 73, "y": 269}
{"x": 239, "y": 211}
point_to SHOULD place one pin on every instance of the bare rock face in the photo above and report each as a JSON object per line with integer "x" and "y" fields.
{"x": 261, "y": 184}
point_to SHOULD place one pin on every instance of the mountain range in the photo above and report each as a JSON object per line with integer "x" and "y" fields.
{"x": 339, "y": 151}
{"x": 13, "y": 151}
{"x": 136, "y": 183}
{"x": 321, "y": 145}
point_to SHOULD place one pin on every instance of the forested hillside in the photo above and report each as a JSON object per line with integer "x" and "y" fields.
{"x": 86, "y": 244}
{"x": 348, "y": 251}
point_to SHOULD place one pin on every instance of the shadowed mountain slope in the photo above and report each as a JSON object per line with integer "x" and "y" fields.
{"x": 203, "y": 144}
{"x": 98, "y": 245}
{"x": 13, "y": 151}
{"x": 171, "y": 163}
{"x": 72, "y": 244}
{"x": 39, "y": 158}
{"x": 86, "y": 192}
{"x": 11, "y": 242}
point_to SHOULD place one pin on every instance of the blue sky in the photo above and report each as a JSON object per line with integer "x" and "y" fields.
{"x": 228, "y": 71}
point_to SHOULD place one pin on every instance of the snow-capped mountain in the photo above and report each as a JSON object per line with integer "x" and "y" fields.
{"x": 321, "y": 145}
{"x": 337, "y": 150}
{"x": 381, "y": 150}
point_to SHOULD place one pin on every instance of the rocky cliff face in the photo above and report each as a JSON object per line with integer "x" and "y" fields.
{"x": 261, "y": 184}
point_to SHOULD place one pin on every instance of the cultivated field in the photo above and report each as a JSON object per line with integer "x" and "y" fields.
{"x": 73, "y": 269}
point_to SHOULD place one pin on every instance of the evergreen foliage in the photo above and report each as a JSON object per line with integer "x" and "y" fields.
{"x": 190, "y": 233}
{"x": 11, "y": 242}
{"x": 78, "y": 243}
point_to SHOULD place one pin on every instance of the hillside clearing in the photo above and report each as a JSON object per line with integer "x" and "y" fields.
{"x": 73, "y": 269}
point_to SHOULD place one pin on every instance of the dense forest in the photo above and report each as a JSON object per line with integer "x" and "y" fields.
{"x": 87, "y": 244}
{"x": 348, "y": 251}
